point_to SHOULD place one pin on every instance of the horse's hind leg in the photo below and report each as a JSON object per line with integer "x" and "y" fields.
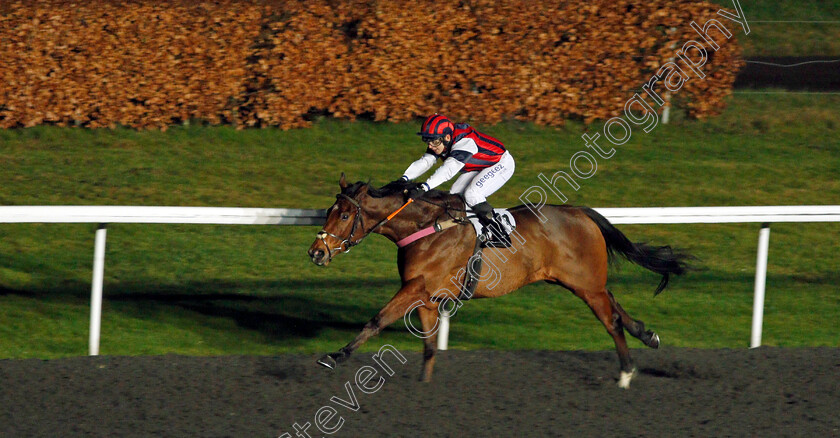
{"x": 634, "y": 326}
{"x": 602, "y": 306}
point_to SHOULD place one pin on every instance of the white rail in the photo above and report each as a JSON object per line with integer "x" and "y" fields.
{"x": 104, "y": 215}
{"x": 284, "y": 216}
{"x": 722, "y": 215}
{"x": 162, "y": 215}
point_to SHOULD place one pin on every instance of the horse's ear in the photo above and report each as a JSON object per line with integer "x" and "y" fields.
{"x": 343, "y": 181}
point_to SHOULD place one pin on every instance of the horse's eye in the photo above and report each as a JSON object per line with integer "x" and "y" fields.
{"x": 345, "y": 216}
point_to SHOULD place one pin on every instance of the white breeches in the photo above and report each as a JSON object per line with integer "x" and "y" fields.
{"x": 478, "y": 185}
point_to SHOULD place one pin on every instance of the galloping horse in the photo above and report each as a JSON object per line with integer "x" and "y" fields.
{"x": 564, "y": 245}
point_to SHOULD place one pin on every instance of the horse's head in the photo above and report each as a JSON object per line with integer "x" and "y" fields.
{"x": 358, "y": 210}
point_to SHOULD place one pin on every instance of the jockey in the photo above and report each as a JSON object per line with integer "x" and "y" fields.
{"x": 484, "y": 163}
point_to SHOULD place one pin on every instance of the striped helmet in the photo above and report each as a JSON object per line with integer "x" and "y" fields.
{"x": 436, "y": 126}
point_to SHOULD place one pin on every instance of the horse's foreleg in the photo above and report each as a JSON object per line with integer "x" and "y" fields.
{"x": 429, "y": 319}
{"x": 394, "y": 310}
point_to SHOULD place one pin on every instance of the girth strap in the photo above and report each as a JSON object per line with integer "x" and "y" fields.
{"x": 470, "y": 280}
{"x": 467, "y": 288}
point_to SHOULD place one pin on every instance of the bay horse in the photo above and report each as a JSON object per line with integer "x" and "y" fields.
{"x": 565, "y": 245}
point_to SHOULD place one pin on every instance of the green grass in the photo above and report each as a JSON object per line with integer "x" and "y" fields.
{"x": 207, "y": 290}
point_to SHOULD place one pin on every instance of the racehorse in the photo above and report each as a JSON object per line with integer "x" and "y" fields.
{"x": 564, "y": 245}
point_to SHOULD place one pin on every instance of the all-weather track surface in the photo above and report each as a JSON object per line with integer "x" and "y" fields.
{"x": 678, "y": 393}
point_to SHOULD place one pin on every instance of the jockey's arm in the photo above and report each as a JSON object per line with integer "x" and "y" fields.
{"x": 420, "y": 166}
{"x": 444, "y": 173}
{"x": 458, "y": 156}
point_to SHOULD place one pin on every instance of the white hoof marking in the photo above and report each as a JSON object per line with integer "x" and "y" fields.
{"x": 624, "y": 380}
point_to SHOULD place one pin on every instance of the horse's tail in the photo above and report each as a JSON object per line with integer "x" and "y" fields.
{"x": 662, "y": 260}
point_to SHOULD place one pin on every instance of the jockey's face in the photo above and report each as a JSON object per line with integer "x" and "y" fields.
{"x": 438, "y": 145}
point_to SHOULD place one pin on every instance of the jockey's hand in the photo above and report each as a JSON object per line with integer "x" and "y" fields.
{"x": 402, "y": 180}
{"x": 417, "y": 191}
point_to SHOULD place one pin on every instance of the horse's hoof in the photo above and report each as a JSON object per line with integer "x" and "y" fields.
{"x": 654, "y": 341}
{"x": 625, "y": 378}
{"x": 327, "y": 361}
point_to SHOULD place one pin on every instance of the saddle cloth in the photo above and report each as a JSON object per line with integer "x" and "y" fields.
{"x": 507, "y": 220}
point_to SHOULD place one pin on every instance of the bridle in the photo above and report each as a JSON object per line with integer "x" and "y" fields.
{"x": 347, "y": 243}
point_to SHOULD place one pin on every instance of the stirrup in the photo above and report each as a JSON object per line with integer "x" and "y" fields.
{"x": 490, "y": 240}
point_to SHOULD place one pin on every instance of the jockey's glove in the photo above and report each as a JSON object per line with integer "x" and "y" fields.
{"x": 417, "y": 191}
{"x": 403, "y": 179}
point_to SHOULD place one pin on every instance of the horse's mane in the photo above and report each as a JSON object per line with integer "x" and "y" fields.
{"x": 395, "y": 188}
{"x": 353, "y": 189}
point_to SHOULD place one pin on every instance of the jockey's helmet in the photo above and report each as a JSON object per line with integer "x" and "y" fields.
{"x": 436, "y": 126}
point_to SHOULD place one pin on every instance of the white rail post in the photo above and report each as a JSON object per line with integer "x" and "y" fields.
{"x": 443, "y": 332}
{"x": 666, "y": 110}
{"x": 760, "y": 282}
{"x": 96, "y": 289}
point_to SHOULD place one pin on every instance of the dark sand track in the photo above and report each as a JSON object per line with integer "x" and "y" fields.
{"x": 766, "y": 392}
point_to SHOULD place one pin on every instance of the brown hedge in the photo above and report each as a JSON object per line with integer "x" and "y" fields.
{"x": 261, "y": 63}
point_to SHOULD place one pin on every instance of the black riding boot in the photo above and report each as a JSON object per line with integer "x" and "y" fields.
{"x": 492, "y": 227}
